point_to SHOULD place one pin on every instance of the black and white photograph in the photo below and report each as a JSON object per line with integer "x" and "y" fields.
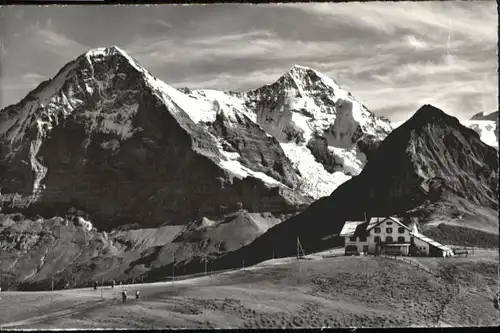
{"x": 249, "y": 165}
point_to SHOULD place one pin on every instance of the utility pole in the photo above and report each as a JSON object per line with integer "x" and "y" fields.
{"x": 300, "y": 249}
{"x": 205, "y": 265}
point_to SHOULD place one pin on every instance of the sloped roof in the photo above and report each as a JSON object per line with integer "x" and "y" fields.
{"x": 352, "y": 227}
{"x": 361, "y": 228}
{"x": 374, "y": 221}
{"x": 431, "y": 241}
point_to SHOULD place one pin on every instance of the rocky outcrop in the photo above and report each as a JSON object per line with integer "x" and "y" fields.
{"x": 482, "y": 116}
{"x": 319, "y": 148}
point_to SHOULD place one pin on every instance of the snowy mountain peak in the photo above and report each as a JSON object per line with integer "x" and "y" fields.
{"x": 303, "y": 78}
{"x": 112, "y": 51}
{"x": 483, "y": 116}
{"x": 105, "y": 51}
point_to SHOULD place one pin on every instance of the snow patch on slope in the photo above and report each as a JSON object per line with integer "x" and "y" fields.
{"x": 315, "y": 181}
{"x": 222, "y": 100}
{"x": 197, "y": 109}
{"x": 231, "y": 164}
{"x": 87, "y": 225}
{"x": 118, "y": 122}
{"x": 485, "y": 129}
{"x": 352, "y": 160}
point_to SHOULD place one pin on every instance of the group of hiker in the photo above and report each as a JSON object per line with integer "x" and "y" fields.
{"x": 124, "y": 292}
{"x": 124, "y": 295}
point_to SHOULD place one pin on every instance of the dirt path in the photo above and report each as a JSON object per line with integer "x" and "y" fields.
{"x": 52, "y": 315}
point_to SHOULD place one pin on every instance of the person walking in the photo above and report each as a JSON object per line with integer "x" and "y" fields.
{"x": 113, "y": 284}
{"x": 124, "y": 296}
{"x": 95, "y": 285}
{"x": 137, "y": 294}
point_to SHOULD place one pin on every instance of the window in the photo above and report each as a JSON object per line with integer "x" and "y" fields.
{"x": 388, "y": 222}
{"x": 362, "y": 238}
{"x": 377, "y": 239}
{"x": 352, "y": 238}
{"x": 401, "y": 230}
{"x": 365, "y": 248}
{"x": 388, "y": 230}
{"x": 388, "y": 239}
{"x": 401, "y": 239}
{"x": 377, "y": 230}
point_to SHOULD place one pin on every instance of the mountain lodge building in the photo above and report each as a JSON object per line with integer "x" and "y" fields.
{"x": 387, "y": 235}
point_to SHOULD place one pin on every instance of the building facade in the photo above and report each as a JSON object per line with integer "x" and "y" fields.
{"x": 387, "y": 235}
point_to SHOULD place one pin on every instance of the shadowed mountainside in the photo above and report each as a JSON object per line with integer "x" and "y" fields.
{"x": 429, "y": 159}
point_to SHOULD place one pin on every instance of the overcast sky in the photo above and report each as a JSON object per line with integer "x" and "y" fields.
{"x": 394, "y": 57}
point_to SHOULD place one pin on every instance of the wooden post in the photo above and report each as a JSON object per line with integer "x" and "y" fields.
{"x": 102, "y": 286}
{"x": 300, "y": 249}
{"x": 173, "y": 269}
{"x": 297, "y": 248}
{"x": 205, "y": 265}
{"x": 243, "y": 264}
{"x": 52, "y": 284}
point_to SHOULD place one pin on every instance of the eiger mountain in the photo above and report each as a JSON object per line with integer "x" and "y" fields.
{"x": 107, "y": 144}
{"x": 430, "y": 167}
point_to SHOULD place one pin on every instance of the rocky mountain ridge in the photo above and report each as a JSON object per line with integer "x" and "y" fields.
{"x": 104, "y": 116}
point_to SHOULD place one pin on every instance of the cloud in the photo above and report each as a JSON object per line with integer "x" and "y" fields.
{"x": 470, "y": 19}
{"x": 162, "y": 23}
{"x": 32, "y": 78}
{"x": 393, "y": 56}
{"x": 228, "y": 81}
{"x": 242, "y": 48}
{"x": 416, "y": 43}
{"x": 53, "y": 41}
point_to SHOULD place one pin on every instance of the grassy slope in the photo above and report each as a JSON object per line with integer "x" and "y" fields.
{"x": 336, "y": 292}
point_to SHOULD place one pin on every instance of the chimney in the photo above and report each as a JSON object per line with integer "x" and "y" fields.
{"x": 413, "y": 226}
